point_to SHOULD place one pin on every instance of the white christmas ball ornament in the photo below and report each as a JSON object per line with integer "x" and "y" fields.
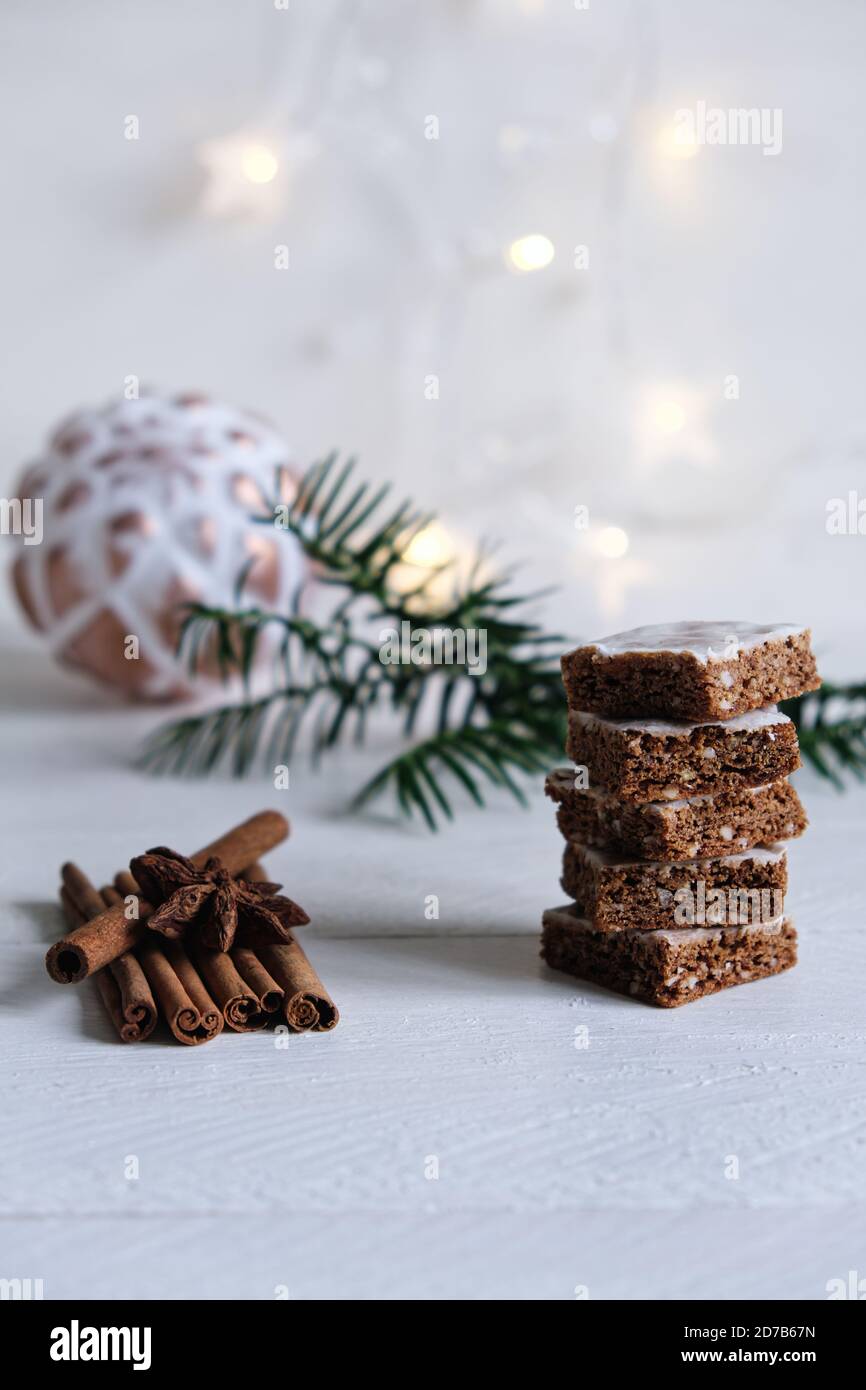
{"x": 149, "y": 504}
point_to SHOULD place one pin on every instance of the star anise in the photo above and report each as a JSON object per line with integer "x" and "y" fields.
{"x": 212, "y": 903}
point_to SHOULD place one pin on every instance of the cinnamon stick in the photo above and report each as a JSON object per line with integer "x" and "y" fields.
{"x": 122, "y": 986}
{"x": 74, "y": 918}
{"x": 245, "y": 997}
{"x": 307, "y": 1005}
{"x": 256, "y": 978}
{"x": 125, "y": 884}
{"x": 191, "y": 1014}
{"x": 240, "y": 1006}
{"x": 107, "y": 936}
{"x": 125, "y": 992}
{"x": 83, "y": 893}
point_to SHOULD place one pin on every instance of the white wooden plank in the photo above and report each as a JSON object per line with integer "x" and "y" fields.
{"x": 459, "y": 1048}
{"x": 558, "y": 1165}
{"x": 467, "y": 1255}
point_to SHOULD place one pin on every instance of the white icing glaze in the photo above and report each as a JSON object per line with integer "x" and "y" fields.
{"x": 741, "y": 723}
{"x": 667, "y": 808}
{"x": 675, "y": 937}
{"x": 761, "y": 854}
{"x": 563, "y": 777}
{"x": 609, "y": 859}
{"x": 567, "y": 915}
{"x": 708, "y": 641}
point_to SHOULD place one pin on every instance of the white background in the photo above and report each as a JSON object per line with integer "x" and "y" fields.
{"x": 559, "y": 1167}
{"x": 731, "y": 262}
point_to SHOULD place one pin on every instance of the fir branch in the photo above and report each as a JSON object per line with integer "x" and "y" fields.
{"x": 831, "y": 727}
{"x": 490, "y": 729}
{"x": 472, "y": 756}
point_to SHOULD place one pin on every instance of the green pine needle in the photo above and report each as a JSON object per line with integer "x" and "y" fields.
{"x": 831, "y": 727}
{"x": 491, "y": 731}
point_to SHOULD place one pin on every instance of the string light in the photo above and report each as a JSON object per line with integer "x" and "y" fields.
{"x": 431, "y": 547}
{"x": 672, "y": 433}
{"x": 251, "y": 171}
{"x": 532, "y": 252}
{"x": 423, "y": 556}
{"x": 668, "y": 416}
{"x": 259, "y": 164}
{"x": 676, "y": 143}
{"x": 609, "y": 570}
{"x": 240, "y": 172}
{"x": 612, "y": 542}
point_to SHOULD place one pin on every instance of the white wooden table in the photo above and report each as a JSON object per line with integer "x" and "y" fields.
{"x": 308, "y": 1169}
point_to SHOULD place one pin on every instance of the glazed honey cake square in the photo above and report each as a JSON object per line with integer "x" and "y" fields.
{"x": 659, "y": 760}
{"x": 619, "y": 894}
{"x": 690, "y": 670}
{"x": 666, "y": 968}
{"x": 687, "y": 828}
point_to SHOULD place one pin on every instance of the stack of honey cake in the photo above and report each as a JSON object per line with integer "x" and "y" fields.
{"x": 675, "y": 814}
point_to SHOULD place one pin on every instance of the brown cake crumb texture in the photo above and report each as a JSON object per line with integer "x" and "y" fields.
{"x": 641, "y": 766}
{"x": 704, "y": 826}
{"x": 677, "y": 685}
{"x": 674, "y": 812}
{"x": 666, "y": 969}
{"x": 642, "y": 895}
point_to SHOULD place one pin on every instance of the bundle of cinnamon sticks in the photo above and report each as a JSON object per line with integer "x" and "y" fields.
{"x": 142, "y": 975}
